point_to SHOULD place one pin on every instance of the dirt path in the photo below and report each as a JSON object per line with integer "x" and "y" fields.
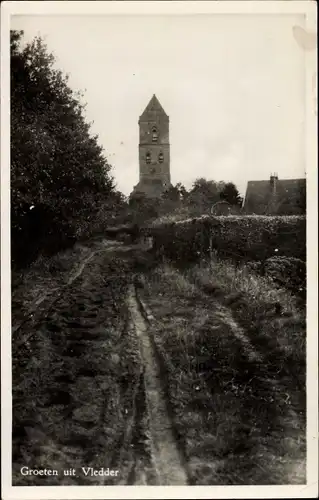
{"x": 101, "y": 376}
{"x": 166, "y": 455}
{"x": 96, "y": 369}
{"x": 82, "y": 367}
{"x": 56, "y": 292}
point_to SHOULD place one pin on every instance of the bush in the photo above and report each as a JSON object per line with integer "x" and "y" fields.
{"x": 240, "y": 238}
{"x": 288, "y": 272}
{"x": 41, "y": 230}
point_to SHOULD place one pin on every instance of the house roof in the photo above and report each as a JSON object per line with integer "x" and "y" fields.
{"x": 289, "y": 194}
{"x": 154, "y": 107}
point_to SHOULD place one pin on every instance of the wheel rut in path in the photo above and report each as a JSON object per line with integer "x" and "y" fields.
{"x": 166, "y": 455}
{"x": 53, "y": 295}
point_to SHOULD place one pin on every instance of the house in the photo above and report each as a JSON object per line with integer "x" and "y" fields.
{"x": 276, "y": 197}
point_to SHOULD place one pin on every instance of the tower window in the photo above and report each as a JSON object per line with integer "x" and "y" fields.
{"x": 148, "y": 157}
{"x": 154, "y": 134}
{"x": 161, "y": 157}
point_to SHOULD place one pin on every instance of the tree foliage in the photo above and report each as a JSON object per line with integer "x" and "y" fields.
{"x": 183, "y": 193}
{"x": 203, "y": 195}
{"x": 59, "y": 174}
{"x": 172, "y": 194}
{"x": 231, "y": 194}
{"x": 143, "y": 208}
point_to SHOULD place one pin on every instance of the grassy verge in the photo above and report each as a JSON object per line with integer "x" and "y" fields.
{"x": 236, "y": 372}
{"x": 273, "y": 318}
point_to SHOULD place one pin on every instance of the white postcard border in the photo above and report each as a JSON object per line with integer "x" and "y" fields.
{"x": 308, "y": 8}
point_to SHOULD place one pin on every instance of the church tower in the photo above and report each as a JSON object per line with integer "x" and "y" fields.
{"x": 154, "y": 151}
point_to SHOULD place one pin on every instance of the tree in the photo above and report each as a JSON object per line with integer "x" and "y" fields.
{"x": 143, "y": 208}
{"x": 183, "y": 193}
{"x": 203, "y": 195}
{"x": 56, "y": 164}
{"x": 231, "y": 194}
{"x": 172, "y": 194}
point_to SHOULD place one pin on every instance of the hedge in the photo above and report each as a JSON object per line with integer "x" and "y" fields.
{"x": 247, "y": 238}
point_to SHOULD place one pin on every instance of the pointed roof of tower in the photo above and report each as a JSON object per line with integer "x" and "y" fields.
{"x": 154, "y": 106}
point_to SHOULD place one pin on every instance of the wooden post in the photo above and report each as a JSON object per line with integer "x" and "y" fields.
{"x": 210, "y": 246}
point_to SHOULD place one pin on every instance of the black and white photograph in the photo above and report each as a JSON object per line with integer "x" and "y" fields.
{"x": 158, "y": 284}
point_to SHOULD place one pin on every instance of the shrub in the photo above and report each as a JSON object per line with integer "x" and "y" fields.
{"x": 247, "y": 238}
{"x": 287, "y": 271}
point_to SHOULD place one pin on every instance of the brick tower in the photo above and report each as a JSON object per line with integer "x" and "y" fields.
{"x": 154, "y": 151}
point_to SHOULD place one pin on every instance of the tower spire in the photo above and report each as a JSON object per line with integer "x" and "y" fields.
{"x": 154, "y": 151}
{"x": 153, "y": 107}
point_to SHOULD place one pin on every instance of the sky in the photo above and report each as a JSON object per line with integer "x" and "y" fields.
{"x": 233, "y": 87}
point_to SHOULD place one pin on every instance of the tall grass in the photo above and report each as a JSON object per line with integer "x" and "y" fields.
{"x": 236, "y": 371}
{"x": 273, "y": 318}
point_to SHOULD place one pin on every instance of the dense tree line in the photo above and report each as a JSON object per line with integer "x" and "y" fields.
{"x": 60, "y": 178}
